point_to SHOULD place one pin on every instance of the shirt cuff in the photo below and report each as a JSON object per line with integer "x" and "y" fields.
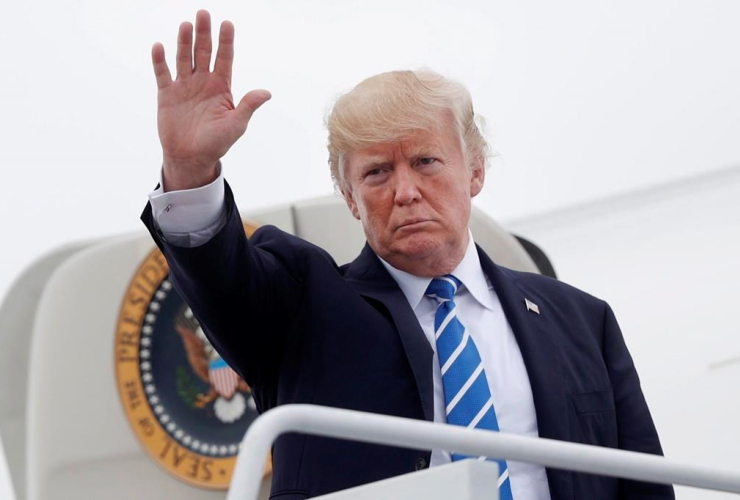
{"x": 190, "y": 217}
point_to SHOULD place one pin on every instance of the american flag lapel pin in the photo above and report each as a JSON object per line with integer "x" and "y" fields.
{"x": 531, "y": 306}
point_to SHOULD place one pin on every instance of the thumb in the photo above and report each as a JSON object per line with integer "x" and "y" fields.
{"x": 250, "y": 103}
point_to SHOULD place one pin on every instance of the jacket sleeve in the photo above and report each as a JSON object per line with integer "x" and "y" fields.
{"x": 243, "y": 294}
{"x": 636, "y": 430}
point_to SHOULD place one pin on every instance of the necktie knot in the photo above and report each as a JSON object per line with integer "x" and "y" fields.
{"x": 443, "y": 288}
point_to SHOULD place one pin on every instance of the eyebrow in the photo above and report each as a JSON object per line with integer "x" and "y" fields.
{"x": 375, "y": 163}
{"x": 416, "y": 153}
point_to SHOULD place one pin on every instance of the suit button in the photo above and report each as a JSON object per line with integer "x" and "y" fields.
{"x": 421, "y": 463}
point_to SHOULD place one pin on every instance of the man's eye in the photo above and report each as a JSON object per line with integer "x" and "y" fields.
{"x": 427, "y": 161}
{"x": 374, "y": 171}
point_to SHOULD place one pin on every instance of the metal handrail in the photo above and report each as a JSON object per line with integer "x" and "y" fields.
{"x": 404, "y": 432}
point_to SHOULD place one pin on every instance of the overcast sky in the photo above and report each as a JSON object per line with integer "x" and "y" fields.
{"x": 583, "y": 99}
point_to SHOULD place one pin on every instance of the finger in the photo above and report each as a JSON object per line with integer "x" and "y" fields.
{"x": 250, "y": 103}
{"x": 225, "y": 55}
{"x": 185, "y": 51}
{"x": 161, "y": 71}
{"x": 202, "y": 50}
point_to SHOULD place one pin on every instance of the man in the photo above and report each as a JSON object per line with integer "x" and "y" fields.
{"x": 421, "y": 325}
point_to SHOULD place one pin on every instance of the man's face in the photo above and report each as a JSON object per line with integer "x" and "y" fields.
{"x": 413, "y": 198}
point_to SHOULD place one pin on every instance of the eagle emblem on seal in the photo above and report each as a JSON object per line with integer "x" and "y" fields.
{"x": 229, "y": 394}
{"x": 188, "y": 408}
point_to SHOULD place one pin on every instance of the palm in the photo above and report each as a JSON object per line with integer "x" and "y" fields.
{"x": 197, "y": 119}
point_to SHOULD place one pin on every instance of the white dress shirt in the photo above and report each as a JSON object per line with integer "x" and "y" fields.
{"x": 191, "y": 217}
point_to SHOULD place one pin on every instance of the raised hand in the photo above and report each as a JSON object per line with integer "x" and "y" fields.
{"x": 196, "y": 116}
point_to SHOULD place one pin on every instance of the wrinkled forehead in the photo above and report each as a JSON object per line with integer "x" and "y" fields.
{"x": 441, "y": 142}
{"x": 404, "y": 148}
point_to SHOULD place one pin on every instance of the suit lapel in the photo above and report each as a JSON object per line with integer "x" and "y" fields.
{"x": 367, "y": 275}
{"x": 542, "y": 359}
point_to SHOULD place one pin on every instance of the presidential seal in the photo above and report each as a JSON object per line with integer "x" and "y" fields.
{"x": 187, "y": 407}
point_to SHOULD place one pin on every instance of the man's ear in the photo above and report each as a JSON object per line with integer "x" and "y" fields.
{"x": 477, "y": 175}
{"x": 351, "y": 203}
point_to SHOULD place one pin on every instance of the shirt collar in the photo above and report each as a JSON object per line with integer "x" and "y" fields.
{"x": 469, "y": 271}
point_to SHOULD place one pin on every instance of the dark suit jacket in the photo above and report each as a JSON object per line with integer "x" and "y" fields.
{"x": 300, "y": 329}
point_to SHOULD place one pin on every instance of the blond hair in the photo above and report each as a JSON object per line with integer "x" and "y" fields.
{"x": 390, "y": 107}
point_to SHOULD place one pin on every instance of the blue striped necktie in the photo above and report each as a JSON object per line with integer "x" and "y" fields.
{"x": 468, "y": 399}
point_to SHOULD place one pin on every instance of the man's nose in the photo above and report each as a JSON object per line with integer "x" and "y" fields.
{"x": 406, "y": 185}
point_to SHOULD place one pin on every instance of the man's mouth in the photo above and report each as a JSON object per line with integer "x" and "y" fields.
{"x": 410, "y": 223}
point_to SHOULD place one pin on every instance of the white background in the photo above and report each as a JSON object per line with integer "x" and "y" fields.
{"x": 585, "y": 100}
